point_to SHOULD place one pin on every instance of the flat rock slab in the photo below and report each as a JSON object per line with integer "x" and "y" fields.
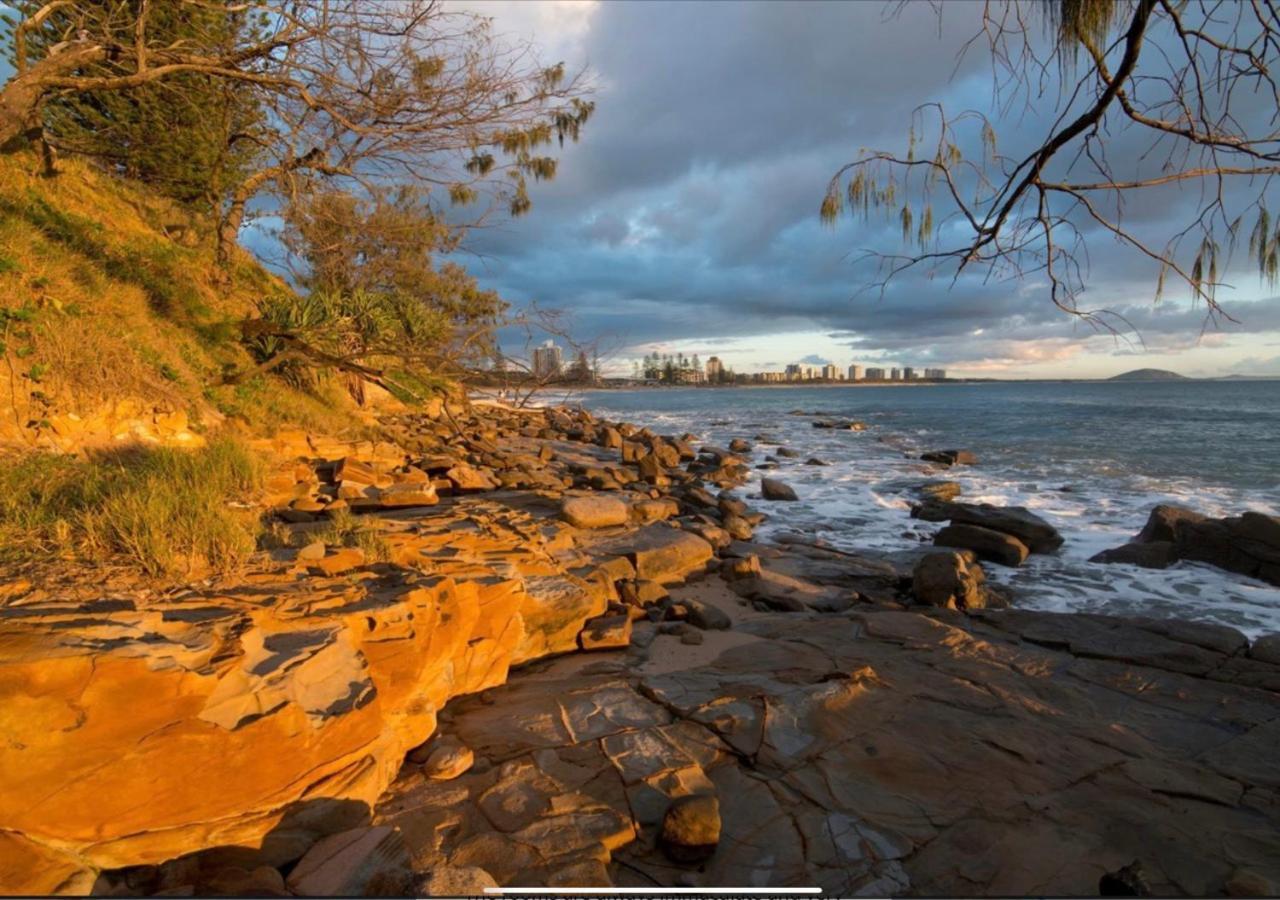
{"x": 659, "y": 552}
{"x": 883, "y": 753}
{"x": 594, "y": 511}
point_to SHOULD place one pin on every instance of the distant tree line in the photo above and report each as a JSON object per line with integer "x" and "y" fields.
{"x": 677, "y": 369}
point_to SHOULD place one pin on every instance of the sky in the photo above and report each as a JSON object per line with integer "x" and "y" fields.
{"x": 686, "y": 219}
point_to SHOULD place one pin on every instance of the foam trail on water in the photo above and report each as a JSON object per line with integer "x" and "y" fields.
{"x": 862, "y": 499}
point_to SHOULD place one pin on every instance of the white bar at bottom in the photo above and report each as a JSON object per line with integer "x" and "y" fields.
{"x": 682, "y": 891}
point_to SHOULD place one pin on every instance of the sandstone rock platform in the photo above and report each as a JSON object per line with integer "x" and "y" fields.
{"x": 421, "y": 717}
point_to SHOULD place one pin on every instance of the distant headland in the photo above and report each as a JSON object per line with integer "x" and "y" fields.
{"x": 1148, "y": 375}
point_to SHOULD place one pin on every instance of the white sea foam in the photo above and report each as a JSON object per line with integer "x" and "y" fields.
{"x": 862, "y": 500}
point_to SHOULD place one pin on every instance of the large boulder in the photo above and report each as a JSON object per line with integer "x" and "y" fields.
{"x": 469, "y": 479}
{"x": 991, "y": 545}
{"x": 773, "y": 489}
{"x": 1026, "y": 526}
{"x": 1248, "y": 544}
{"x": 594, "y": 511}
{"x": 952, "y": 580}
{"x": 661, "y": 553}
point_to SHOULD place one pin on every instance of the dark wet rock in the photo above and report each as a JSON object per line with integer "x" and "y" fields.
{"x": 786, "y": 453}
{"x": 815, "y": 461}
{"x": 994, "y": 546}
{"x": 950, "y": 457}
{"x": 952, "y": 580}
{"x": 740, "y": 445}
{"x": 786, "y": 593}
{"x": 1127, "y": 881}
{"x": 1248, "y": 544}
{"x": 840, "y": 424}
{"x": 1155, "y": 555}
{"x": 1026, "y": 526}
{"x": 1266, "y": 649}
{"x": 705, "y": 616}
{"x": 773, "y": 489}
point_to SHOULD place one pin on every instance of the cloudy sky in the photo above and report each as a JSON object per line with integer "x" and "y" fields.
{"x": 687, "y": 217}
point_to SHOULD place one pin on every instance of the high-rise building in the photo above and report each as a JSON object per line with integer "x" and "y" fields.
{"x": 875, "y": 374}
{"x": 547, "y": 361}
{"x": 936, "y": 374}
{"x": 908, "y": 374}
{"x": 795, "y": 372}
{"x": 714, "y": 369}
{"x": 830, "y": 372}
{"x": 855, "y": 372}
{"x": 895, "y": 374}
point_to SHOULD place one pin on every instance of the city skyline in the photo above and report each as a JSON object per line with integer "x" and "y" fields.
{"x": 547, "y": 361}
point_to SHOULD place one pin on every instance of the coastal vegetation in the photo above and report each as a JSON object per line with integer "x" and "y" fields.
{"x": 1189, "y": 89}
{"x": 169, "y": 512}
{"x": 358, "y": 143}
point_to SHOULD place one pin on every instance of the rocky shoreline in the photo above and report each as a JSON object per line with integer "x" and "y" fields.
{"x": 575, "y": 666}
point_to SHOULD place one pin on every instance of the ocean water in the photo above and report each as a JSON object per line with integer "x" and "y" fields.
{"x": 1092, "y": 458}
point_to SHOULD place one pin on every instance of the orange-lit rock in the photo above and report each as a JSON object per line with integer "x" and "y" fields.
{"x": 263, "y": 716}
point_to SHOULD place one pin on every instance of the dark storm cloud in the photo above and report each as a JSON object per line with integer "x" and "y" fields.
{"x": 689, "y": 208}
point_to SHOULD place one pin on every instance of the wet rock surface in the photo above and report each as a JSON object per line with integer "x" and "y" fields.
{"x": 1248, "y": 544}
{"x": 876, "y": 752}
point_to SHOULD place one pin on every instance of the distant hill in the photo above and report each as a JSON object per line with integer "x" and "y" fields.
{"x": 1148, "y": 375}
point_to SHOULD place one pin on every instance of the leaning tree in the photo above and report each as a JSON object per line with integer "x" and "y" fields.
{"x": 1167, "y": 102}
{"x": 360, "y": 95}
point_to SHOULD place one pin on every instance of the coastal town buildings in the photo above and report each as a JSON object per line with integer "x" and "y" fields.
{"x": 677, "y": 368}
{"x": 548, "y": 360}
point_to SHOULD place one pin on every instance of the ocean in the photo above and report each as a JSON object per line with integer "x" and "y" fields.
{"x": 1093, "y": 458}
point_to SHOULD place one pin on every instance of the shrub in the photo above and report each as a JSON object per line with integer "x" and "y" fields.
{"x": 166, "y": 512}
{"x": 347, "y": 530}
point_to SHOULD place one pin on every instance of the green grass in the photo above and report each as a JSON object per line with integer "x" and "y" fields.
{"x": 164, "y": 512}
{"x": 347, "y": 530}
{"x": 157, "y": 267}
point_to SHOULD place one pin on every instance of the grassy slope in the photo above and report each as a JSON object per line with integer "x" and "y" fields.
{"x": 106, "y": 293}
{"x": 110, "y": 292}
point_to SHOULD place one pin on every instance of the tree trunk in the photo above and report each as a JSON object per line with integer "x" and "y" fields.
{"x": 233, "y": 217}
{"x": 21, "y": 95}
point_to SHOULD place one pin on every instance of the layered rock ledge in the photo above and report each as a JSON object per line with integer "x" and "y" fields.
{"x": 426, "y": 722}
